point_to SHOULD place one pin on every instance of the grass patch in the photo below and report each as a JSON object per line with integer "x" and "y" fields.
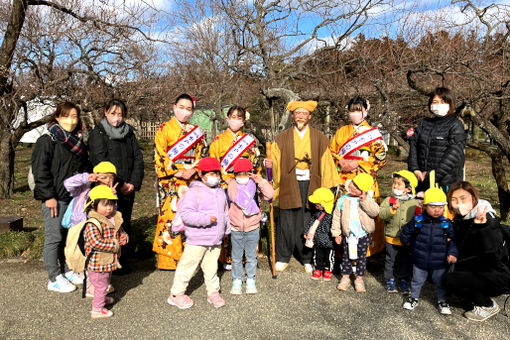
{"x": 14, "y": 243}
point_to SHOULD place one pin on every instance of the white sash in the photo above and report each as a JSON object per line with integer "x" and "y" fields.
{"x": 185, "y": 143}
{"x": 236, "y": 150}
{"x": 359, "y": 141}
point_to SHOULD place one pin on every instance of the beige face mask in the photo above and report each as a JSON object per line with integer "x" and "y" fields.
{"x": 68, "y": 123}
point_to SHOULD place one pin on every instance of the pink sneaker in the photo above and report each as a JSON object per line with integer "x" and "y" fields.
{"x": 216, "y": 300}
{"x": 180, "y": 301}
{"x": 103, "y": 313}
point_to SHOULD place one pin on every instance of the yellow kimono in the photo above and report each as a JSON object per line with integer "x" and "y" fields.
{"x": 218, "y": 149}
{"x": 374, "y": 158}
{"x": 170, "y": 189}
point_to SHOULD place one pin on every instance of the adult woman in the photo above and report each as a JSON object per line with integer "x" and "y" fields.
{"x": 438, "y": 143}
{"x": 222, "y": 148}
{"x": 177, "y": 150}
{"x": 57, "y": 155}
{"x": 359, "y": 148}
{"x": 113, "y": 140}
{"x": 480, "y": 272}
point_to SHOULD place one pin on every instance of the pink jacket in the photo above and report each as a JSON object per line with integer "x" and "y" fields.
{"x": 237, "y": 219}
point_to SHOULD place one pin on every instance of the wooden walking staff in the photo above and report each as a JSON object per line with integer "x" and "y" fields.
{"x": 271, "y": 214}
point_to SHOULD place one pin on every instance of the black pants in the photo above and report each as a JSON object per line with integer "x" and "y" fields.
{"x": 400, "y": 257}
{"x": 323, "y": 258}
{"x": 473, "y": 287}
{"x": 290, "y": 230}
{"x": 125, "y": 207}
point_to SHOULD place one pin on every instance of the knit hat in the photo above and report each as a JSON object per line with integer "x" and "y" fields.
{"x": 242, "y": 164}
{"x": 434, "y": 196}
{"x": 209, "y": 164}
{"x": 308, "y": 105}
{"x": 100, "y": 192}
{"x": 325, "y": 197}
{"x": 364, "y": 181}
{"x": 409, "y": 176}
{"x": 105, "y": 167}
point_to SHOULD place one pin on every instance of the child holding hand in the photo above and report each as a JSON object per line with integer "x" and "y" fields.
{"x": 204, "y": 212}
{"x": 103, "y": 237}
{"x": 353, "y": 222}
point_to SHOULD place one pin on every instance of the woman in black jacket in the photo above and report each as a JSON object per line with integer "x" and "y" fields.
{"x": 481, "y": 271}
{"x": 57, "y": 155}
{"x": 438, "y": 143}
{"x": 113, "y": 140}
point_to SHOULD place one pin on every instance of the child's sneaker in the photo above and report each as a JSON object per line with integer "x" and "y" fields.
{"x": 308, "y": 268}
{"x": 317, "y": 274}
{"x": 180, "y": 301}
{"x": 280, "y": 266}
{"x": 480, "y": 313}
{"x": 227, "y": 266}
{"x": 359, "y": 285}
{"x": 410, "y": 303}
{"x": 251, "y": 288}
{"x": 108, "y": 301}
{"x": 74, "y": 278}
{"x": 61, "y": 285}
{"x": 391, "y": 287}
{"x": 216, "y": 300}
{"x": 344, "y": 283}
{"x": 237, "y": 287}
{"x": 327, "y": 275}
{"x": 444, "y": 308}
{"x": 403, "y": 285}
{"x": 103, "y": 313}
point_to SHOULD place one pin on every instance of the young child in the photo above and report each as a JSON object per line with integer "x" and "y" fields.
{"x": 431, "y": 237}
{"x": 104, "y": 243}
{"x": 353, "y": 222}
{"x": 318, "y": 232}
{"x": 204, "y": 211}
{"x": 245, "y": 216}
{"x": 396, "y": 211}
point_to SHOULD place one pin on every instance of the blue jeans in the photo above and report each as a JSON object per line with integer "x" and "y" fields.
{"x": 419, "y": 278}
{"x": 244, "y": 242}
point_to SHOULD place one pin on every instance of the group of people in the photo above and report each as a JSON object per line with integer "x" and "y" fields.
{"x": 329, "y": 204}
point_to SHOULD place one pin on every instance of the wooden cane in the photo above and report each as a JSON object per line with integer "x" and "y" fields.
{"x": 271, "y": 214}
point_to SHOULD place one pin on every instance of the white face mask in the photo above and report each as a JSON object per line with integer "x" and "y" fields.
{"x": 212, "y": 181}
{"x": 464, "y": 208}
{"x": 242, "y": 180}
{"x": 182, "y": 115}
{"x": 397, "y": 192}
{"x": 356, "y": 117}
{"x": 440, "y": 110}
{"x": 235, "y": 124}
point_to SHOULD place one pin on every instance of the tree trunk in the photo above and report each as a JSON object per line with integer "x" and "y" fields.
{"x": 498, "y": 171}
{"x": 6, "y": 164}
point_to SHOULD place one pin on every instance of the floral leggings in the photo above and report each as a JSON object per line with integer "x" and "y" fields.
{"x": 361, "y": 262}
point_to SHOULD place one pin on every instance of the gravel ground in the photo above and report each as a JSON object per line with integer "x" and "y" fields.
{"x": 289, "y": 307}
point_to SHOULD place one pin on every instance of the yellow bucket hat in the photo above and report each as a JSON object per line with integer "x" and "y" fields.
{"x": 325, "y": 197}
{"x": 103, "y": 167}
{"x": 309, "y": 105}
{"x": 100, "y": 192}
{"x": 364, "y": 181}
{"x": 409, "y": 176}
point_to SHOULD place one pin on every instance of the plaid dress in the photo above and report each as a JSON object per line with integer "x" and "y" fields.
{"x": 105, "y": 242}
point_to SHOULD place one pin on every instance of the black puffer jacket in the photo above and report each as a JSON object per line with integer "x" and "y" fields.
{"x": 124, "y": 153}
{"x": 481, "y": 250}
{"x": 52, "y": 163}
{"x": 438, "y": 144}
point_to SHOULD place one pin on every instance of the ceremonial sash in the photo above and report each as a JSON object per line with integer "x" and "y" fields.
{"x": 179, "y": 148}
{"x": 236, "y": 150}
{"x": 359, "y": 141}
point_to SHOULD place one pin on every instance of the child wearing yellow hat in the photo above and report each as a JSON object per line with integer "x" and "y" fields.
{"x": 396, "y": 211}
{"x": 353, "y": 222}
{"x": 102, "y": 245}
{"x": 433, "y": 245}
{"x": 318, "y": 232}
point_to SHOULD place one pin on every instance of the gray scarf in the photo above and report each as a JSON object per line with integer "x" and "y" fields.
{"x": 115, "y": 132}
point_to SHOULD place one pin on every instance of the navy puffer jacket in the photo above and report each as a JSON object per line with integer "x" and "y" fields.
{"x": 438, "y": 144}
{"x": 429, "y": 243}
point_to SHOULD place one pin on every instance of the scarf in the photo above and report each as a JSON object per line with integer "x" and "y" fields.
{"x": 245, "y": 198}
{"x": 118, "y": 132}
{"x": 481, "y": 204}
{"x": 73, "y": 141}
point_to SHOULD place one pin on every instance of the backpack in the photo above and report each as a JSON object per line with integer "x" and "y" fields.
{"x": 418, "y": 224}
{"x": 75, "y": 249}
{"x": 66, "y": 219}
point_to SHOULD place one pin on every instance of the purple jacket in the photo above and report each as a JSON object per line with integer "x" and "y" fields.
{"x": 78, "y": 186}
{"x": 196, "y": 208}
